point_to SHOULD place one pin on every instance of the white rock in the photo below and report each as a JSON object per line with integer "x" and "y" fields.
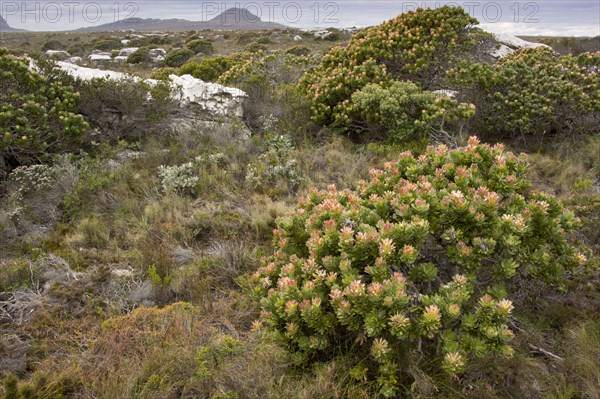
{"x": 510, "y": 43}
{"x": 100, "y": 58}
{"x": 91, "y": 73}
{"x": 125, "y": 52}
{"x": 120, "y": 58}
{"x": 58, "y": 54}
{"x": 125, "y": 42}
{"x": 502, "y": 51}
{"x": 322, "y": 34}
{"x": 297, "y": 38}
{"x": 157, "y": 51}
{"x": 447, "y": 93}
{"x": 75, "y": 60}
{"x": 214, "y": 98}
{"x": 158, "y": 58}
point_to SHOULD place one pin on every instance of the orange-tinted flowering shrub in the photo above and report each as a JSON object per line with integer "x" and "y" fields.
{"x": 535, "y": 91}
{"x": 416, "y": 46}
{"x": 412, "y": 263}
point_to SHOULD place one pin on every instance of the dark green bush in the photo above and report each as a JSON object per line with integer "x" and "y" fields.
{"x": 200, "y": 46}
{"x": 106, "y": 44}
{"x": 209, "y": 69}
{"x": 38, "y": 115}
{"x": 534, "y": 92}
{"x": 418, "y": 46}
{"x": 177, "y": 58}
{"x": 139, "y": 56}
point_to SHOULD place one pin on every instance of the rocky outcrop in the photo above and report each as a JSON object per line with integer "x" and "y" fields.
{"x": 509, "y": 44}
{"x": 199, "y": 101}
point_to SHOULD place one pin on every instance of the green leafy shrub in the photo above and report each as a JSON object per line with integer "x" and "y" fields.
{"x": 410, "y": 270}
{"x": 163, "y": 73}
{"x": 141, "y": 55}
{"x": 417, "y": 46}
{"x": 209, "y": 69}
{"x": 105, "y": 44}
{"x": 38, "y": 115}
{"x": 535, "y": 91}
{"x": 53, "y": 45}
{"x": 200, "y": 46}
{"x": 404, "y": 112}
{"x": 255, "y": 47}
{"x": 123, "y": 109}
{"x": 177, "y": 58}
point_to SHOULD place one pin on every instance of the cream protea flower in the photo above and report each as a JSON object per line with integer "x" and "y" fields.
{"x": 291, "y": 328}
{"x": 288, "y": 269}
{"x": 356, "y": 288}
{"x": 286, "y": 282}
{"x": 335, "y": 295}
{"x": 453, "y": 363}
{"x": 375, "y": 289}
{"x": 409, "y": 251}
{"x": 291, "y": 307}
{"x": 432, "y": 315}
{"x": 257, "y": 325}
{"x": 380, "y": 348}
{"x": 399, "y": 323}
{"x": 331, "y": 278}
{"x": 344, "y": 306}
{"x": 486, "y": 301}
{"x": 453, "y": 310}
{"x": 492, "y": 198}
{"x": 266, "y": 282}
{"x": 457, "y": 197}
{"x": 346, "y": 235}
{"x": 386, "y": 247}
{"x": 580, "y": 258}
{"x": 505, "y": 307}
{"x": 460, "y": 279}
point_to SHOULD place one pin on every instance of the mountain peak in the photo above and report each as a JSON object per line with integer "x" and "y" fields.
{"x": 236, "y": 15}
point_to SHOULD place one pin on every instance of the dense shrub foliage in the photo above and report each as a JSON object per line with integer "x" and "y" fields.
{"x": 417, "y": 46}
{"x": 404, "y": 112}
{"x": 38, "y": 116}
{"x": 535, "y": 91}
{"x": 201, "y": 46}
{"x": 409, "y": 269}
{"x": 177, "y": 58}
{"x": 139, "y": 56}
{"x": 209, "y": 69}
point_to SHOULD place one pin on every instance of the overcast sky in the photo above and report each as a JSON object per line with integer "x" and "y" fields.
{"x": 544, "y": 17}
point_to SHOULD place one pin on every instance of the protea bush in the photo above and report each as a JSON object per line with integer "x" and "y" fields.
{"x": 534, "y": 92}
{"x": 418, "y": 46}
{"x": 410, "y": 269}
{"x": 38, "y": 115}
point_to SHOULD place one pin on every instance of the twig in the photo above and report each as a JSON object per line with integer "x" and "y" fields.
{"x": 544, "y": 352}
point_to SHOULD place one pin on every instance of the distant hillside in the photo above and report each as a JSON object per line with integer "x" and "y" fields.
{"x": 231, "y": 19}
{"x": 5, "y": 27}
